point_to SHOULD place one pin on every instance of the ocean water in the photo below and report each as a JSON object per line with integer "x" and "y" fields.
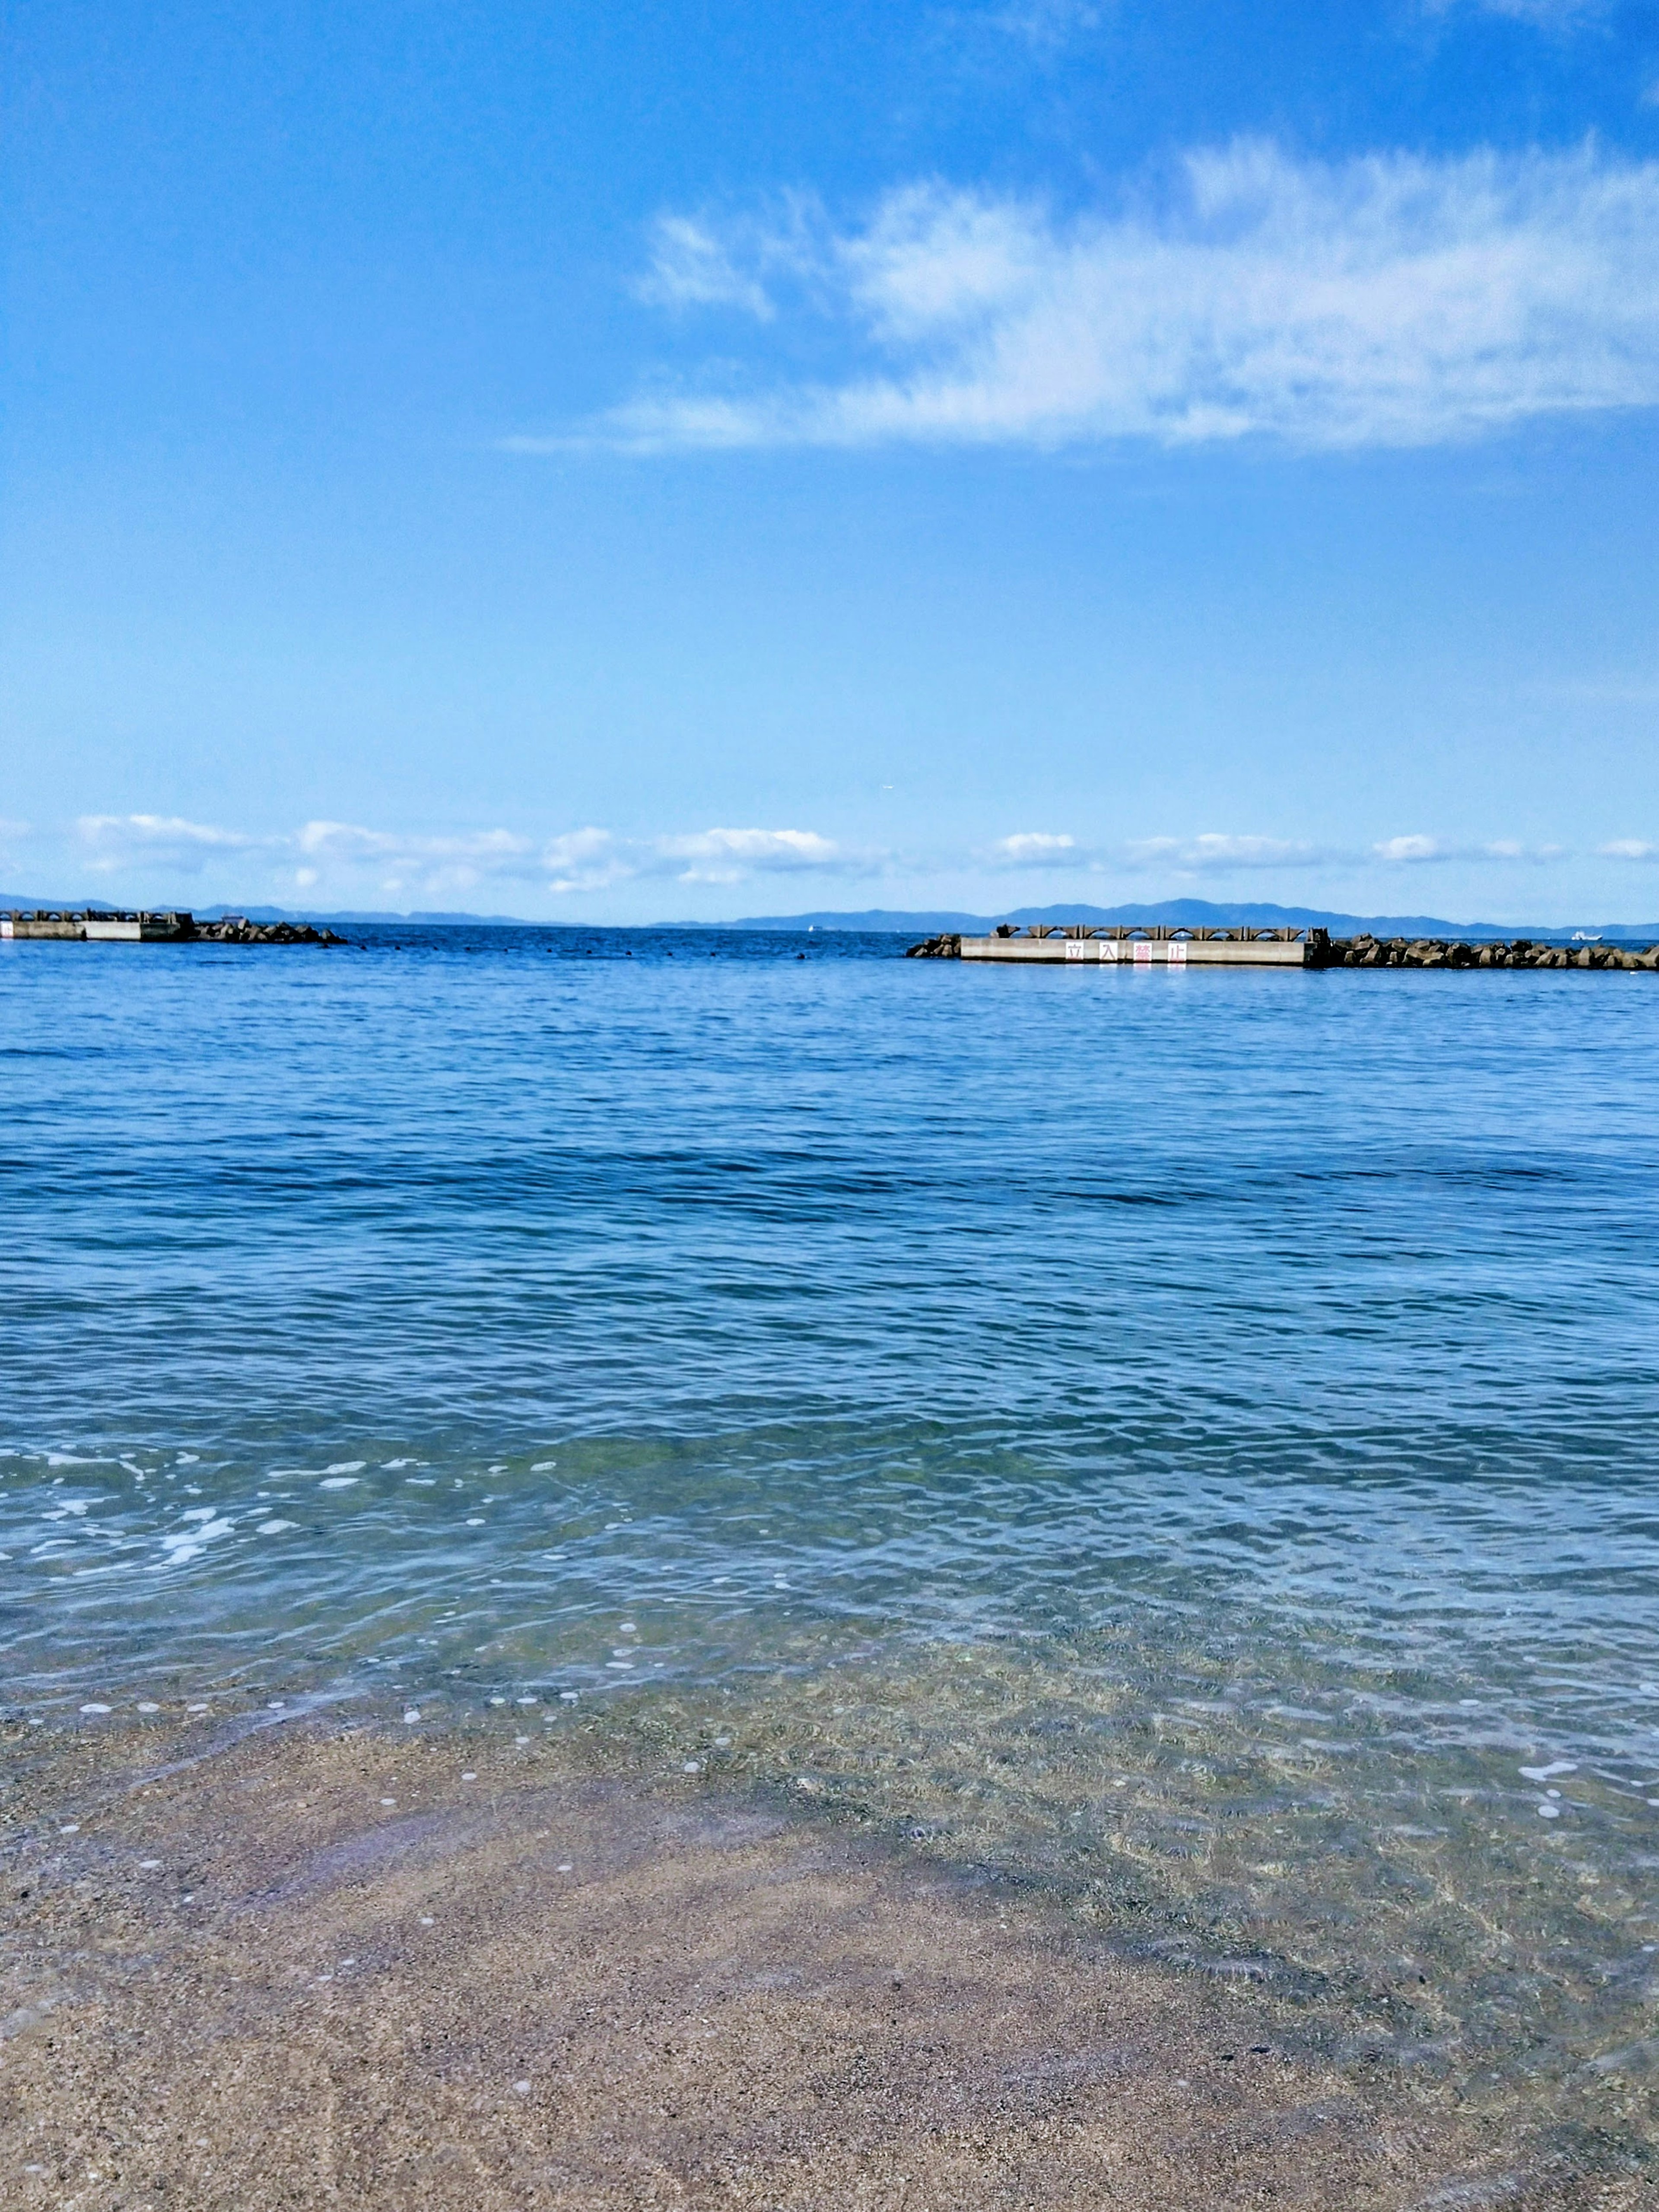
{"x": 1187, "y": 1439}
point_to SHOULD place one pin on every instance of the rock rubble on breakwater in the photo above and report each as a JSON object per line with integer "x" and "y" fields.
{"x": 234, "y": 931}
{"x": 1461, "y": 953}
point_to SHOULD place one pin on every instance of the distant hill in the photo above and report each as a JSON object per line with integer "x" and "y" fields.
{"x": 1186, "y": 914}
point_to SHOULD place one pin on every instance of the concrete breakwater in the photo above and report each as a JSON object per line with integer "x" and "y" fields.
{"x": 171, "y": 927}
{"x": 1271, "y": 948}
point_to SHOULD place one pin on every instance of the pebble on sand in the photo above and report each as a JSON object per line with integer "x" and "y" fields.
{"x": 94, "y": 1708}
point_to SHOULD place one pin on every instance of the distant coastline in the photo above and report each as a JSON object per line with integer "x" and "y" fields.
{"x": 1174, "y": 913}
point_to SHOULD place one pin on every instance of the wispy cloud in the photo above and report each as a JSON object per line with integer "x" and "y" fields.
{"x": 692, "y": 267}
{"x": 1390, "y": 300}
{"x": 1047, "y": 27}
{"x": 726, "y": 856}
{"x": 1629, "y": 849}
{"x": 114, "y": 841}
{"x": 1542, "y": 15}
{"x": 1416, "y": 850}
{"x": 1213, "y": 851}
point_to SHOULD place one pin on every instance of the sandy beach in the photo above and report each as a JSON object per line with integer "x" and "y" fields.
{"x": 319, "y": 1964}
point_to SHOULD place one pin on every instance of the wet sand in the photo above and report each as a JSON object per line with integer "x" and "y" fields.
{"x": 318, "y": 1965}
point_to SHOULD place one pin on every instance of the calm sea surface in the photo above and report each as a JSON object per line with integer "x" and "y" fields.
{"x": 1188, "y": 1437}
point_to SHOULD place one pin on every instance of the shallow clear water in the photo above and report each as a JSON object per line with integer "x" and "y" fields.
{"x": 1189, "y": 1436}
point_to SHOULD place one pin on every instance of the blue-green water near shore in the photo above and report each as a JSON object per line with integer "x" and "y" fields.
{"x": 1188, "y": 1437}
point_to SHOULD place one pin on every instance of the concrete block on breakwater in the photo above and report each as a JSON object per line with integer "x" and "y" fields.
{"x": 1120, "y": 946}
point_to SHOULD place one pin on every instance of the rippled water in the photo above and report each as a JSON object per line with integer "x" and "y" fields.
{"x": 1190, "y": 1437}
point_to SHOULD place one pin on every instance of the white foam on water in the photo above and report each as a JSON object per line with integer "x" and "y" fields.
{"x": 543, "y": 1465}
{"x": 396, "y": 1462}
{"x": 69, "y": 1459}
{"x": 530, "y": 1701}
{"x": 94, "y": 1708}
{"x": 568, "y": 1697}
{"x": 475, "y": 1522}
{"x": 189, "y": 1543}
{"x": 346, "y": 1466}
{"x": 422, "y": 1481}
{"x": 187, "y": 1459}
{"x": 276, "y": 1528}
{"x": 1555, "y": 1767}
{"x": 338, "y": 1482}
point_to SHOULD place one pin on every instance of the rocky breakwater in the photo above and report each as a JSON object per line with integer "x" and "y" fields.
{"x": 1367, "y": 951}
{"x": 103, "y": 926}
{"x": 946, "y": 946}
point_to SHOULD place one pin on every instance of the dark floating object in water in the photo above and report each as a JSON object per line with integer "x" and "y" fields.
{"x": 170, "y": 926}
{"x": 1161, "y": 947}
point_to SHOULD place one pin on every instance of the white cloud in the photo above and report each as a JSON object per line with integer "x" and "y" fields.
{"x": 583, "y": 860}
{"x": 1388, "y": 301}
{"x": 1037, "y": 848}
{"x": 1410, "y": 849}
{"x": 1629, "y": 849}
{"x": 726, "y": 856}
{"x": 412, "y": 865}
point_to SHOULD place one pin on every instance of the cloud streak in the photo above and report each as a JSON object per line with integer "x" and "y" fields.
{"x": 588, "y": 860}
{"x": 1392, "y": 300}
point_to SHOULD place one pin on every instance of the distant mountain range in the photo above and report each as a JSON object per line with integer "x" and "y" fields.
{"x": 1174, "y": 914}
{"x": 1189, "y": 914}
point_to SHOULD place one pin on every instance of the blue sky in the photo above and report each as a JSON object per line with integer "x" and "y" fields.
{"x": 623, "y": 464}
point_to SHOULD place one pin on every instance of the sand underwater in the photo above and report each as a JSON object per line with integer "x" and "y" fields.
{"x": 306, "y": 1957}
